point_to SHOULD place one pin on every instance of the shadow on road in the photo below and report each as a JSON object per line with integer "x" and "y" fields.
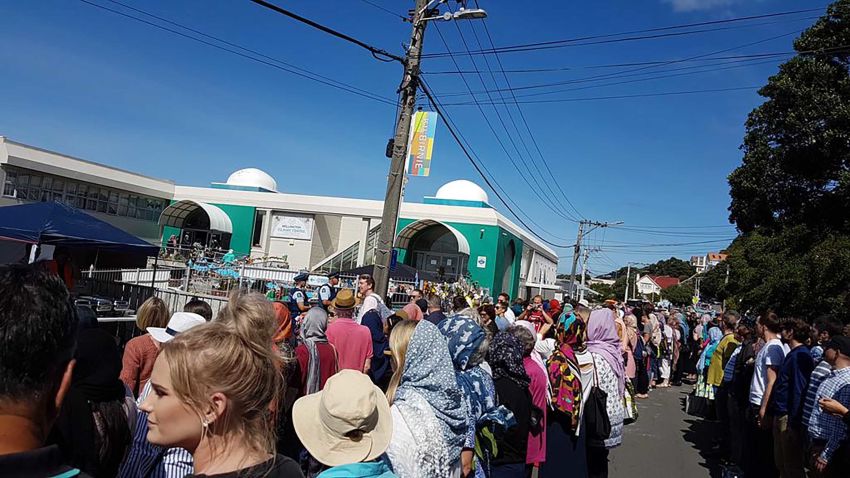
{"x": 700, "y": 433}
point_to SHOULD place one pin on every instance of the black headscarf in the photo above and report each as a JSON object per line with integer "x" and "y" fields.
{"x": 505, "y": 358}
{"x": 95, "y": 380}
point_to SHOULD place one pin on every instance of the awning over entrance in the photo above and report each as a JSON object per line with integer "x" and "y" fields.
{"x": 176, "y": 214}
{"x": 407, "y": 234}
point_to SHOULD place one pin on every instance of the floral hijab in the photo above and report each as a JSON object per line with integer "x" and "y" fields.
{"x": 505, "y": 358}
{"x": 464, "y": 339}
{"x": 428, "y": 390}
{"x": 563, "y": 370}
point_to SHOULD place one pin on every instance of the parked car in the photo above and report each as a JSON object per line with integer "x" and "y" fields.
{"x": 104, "y": 306}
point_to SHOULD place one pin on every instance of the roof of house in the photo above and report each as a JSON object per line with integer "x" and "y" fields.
{"x": 665, "y": 281}
{"x": 717, "y": 256}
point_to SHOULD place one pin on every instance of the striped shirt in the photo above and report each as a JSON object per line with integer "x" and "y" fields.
{"x": 824, "y": 426}
{"x": 818, "y": 376}
{"x": 729, "y": 370}
{"x": 145, "y": 460}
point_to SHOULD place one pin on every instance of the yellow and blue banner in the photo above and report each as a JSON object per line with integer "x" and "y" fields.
{"x": 421, "y": 143}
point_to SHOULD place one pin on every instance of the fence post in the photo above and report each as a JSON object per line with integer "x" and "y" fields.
{"x": 186, "y": 275}
{"x": 138, "y": 276}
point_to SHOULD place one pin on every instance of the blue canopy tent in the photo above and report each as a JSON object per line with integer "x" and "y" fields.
{"x": 61, "y": 225}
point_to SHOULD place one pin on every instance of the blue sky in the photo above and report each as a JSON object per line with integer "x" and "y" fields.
{"x": 93, "y": 84}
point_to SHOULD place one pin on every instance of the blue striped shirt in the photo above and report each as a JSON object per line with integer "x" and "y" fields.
{"x": 729, "y": 370}
{"x": 818, "y": 376}
{"x": 824, "y": 426}
{"x": 150, "y": 461}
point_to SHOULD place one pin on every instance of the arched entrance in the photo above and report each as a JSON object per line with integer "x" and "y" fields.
{"x": 435, "y": 247}
{"x": 507, "y": 271}
{"x": 199, "y": 223}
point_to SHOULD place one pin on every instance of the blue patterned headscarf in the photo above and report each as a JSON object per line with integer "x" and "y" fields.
{"x": 715, "y": 335}
{"x": 465, "y": 337}
{"x": 428, "y": 386}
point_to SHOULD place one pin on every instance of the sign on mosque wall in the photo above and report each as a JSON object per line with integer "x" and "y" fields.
{"x": 292, "y": 227}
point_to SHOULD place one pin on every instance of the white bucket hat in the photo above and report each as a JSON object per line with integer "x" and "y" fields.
{"x": 179, "y": 323}
{"x": 347, "y": 422}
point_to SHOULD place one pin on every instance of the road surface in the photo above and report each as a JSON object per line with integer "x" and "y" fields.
{"x": 665, "y": 442}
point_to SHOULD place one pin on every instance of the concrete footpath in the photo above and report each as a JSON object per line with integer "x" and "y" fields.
{"x": 665, "y": 442}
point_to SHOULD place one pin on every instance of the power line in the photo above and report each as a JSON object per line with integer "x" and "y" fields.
{"x": 668, "y": 73}
{"x": 455, "y": 135}
{"x": 565, "y": 214}
{"x": 619, "y": 65}
{"x": 522, "y": 116}
{"x": 386, "y": 10}
{"x": 330, "y": 31}
{"x": 272, "y": 62}
{"x": 534, "y": 190}
{"x": 620, "y": 97}
{"x": 610, "y": 37}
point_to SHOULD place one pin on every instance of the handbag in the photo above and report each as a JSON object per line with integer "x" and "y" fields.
{"x": 596, "y": 419}
{"x": 629, "y": 404}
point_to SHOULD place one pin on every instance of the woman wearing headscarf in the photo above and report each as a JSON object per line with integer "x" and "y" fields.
{"x": 430, "y": 418}
{"x": 609, "y": 375}
{"x": 468, "y": 346}
{"x": 703, "y": 390}
{"x": 512, "y": 382}
{"x": 539, "y": 388}
{"x": 380, "y": 371}
{"x": 316, "y": 357}
{"x": 284, "y": 344}
{"x": 413, "y": 311}
{"x": 631, "y": 343}
{"x": 565, "y": 443}
{"x": 93, "y": 429}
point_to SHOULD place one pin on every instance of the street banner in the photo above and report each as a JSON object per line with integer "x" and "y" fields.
{"x": 421, "y": 143}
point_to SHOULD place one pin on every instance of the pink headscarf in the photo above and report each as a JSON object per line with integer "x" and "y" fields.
{"x": 602, "y": 339}
{"x": 413, "y": 312}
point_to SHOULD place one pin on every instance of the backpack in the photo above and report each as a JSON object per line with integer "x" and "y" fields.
{"x": 382, "y": 309}
{"x": 596, "y": 417}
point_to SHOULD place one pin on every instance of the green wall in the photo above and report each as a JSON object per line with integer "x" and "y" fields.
{"x": 242, "y": 218}
{"x": 487, "y": 241}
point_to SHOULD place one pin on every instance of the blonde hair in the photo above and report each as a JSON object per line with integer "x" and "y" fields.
{"x": 250, "y": 315}
{"x": 399, "y": 340}
{"x": 152, "y": 313}
{"x": 212, "y": 359}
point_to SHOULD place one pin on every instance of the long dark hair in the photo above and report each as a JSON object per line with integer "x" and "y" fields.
{"x": 112, "y": 438}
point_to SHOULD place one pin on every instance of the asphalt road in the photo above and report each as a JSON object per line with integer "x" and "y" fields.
{"x": 665, "y": 442}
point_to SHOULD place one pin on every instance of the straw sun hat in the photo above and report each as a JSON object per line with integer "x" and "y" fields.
{"x": 347, "y": 422}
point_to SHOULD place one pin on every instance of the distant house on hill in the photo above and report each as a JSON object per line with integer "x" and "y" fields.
{"x": 649, "y": 284}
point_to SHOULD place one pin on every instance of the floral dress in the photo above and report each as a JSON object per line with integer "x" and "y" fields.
{"x": 608, "y": 383}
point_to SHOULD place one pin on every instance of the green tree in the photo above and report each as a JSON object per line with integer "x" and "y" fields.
{"x": 606, "y": 291}
{"x": 671, "y": 267}
{"x": 680, "y": 294}
{"x": 791, "y": 194}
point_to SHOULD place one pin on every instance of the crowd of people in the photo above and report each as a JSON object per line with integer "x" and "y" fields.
{"x": 350, "y": 388}
{"x": 779, "y": 389}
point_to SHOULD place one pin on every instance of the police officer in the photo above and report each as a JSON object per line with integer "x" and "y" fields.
{"x": 298, "y": 302}
{"x": 327, "y": 292}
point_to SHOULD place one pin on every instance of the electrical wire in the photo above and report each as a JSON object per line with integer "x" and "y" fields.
{"x": 269, "y": 61}
{"x": 510, "y": 115}
{"x": 386, "y": 10}
{"x": 522, "y": 175}
{"x": 330, "y": 31}
{"x": 620, "y": 97}
{"x": 524, "y": 120}
{"x": 571, "y": 41}
{"x": 456, "y": 135}
{"x": 617, "y": 65}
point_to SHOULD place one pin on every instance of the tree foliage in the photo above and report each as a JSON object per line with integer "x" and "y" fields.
{"x": 791, "y": 194}
{"x": 680, "y": 294}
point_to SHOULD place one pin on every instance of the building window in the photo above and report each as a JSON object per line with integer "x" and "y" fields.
{"x": 256, "y": 240}
{"x": 42, "y": 187}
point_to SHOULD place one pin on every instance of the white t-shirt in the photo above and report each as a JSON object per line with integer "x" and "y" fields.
{"x": 771, "y": 355}
{"x": 509, "y": 314}
{"x": 369, "y": 303}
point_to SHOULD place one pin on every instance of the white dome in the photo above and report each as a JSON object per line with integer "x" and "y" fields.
{"x": 254, "y": 178}
{"x": 462, "y": 190}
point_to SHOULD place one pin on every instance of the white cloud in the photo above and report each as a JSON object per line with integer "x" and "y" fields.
{"x": 692, "y": 5}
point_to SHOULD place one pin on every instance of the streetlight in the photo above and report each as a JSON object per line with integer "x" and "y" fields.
{"x": 461, "y": 14}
